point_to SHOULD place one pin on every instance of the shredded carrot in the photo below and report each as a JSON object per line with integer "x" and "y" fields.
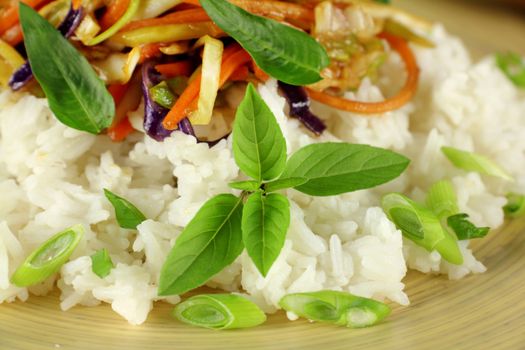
{"x": 278, "y": 9}
{"x": 120, "y": 131}
{"x": 14, "y": 35}
{"x": 76, "y": 4}
{"x": 392, "y": 103}
{"x": 240, "y": 74}
{"x": 233, "y": 57}
{"x": 187, "y": 16}
{"x": 259, "y": 73}
{"x": 229, "y": 66}
{"x": 121, "y": 126}
{"x": 114, "y": 11}
{"x": 304, "y": 16}
{"x": 9, "y": 17}
{"x": 175, "y": 69}
{"x": 192, "y": 2}
{"x": 182, "y": 6}
{"x": 148, "y": 51}
{"x": 118, "y": 91}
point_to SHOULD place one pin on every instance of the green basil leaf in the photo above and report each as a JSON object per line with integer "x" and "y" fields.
{"x": 283, "y": 52}
{"x": 465, "y": 229}
{"x": 335, "y": 168}
{"x": 101, "y": 263}
{"x": 210, "y": 242}
{"x": 471, "y": 161}
{"x": 513, "y": 66}
{"x": 77, "y": 97}
{"x": 259, "y": 147}
{"x": 128, "y": 216}
{"x": 265, "y": 221}
{"x": 281, "y": 184}
{"x": 250, "y": 186}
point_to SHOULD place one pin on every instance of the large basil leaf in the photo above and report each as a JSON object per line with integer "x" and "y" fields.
{"x": 265, "y": 221}
{"x": 335, "y": 168}
{"x": 210, "y": 242}
{"x": 77, "y": 97}
{"x": 283, "y": 52}
{"x": 258, "y": 143}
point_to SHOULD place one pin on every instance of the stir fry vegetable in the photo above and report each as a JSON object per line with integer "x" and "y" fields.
{"x": 218, "y": 44}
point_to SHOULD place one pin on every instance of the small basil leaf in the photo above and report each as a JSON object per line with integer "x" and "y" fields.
{"x": 259, "y": 147}
{"x": 335, "y": 168}
{"x": 465, "y": 229}
{"x": 210, "y": 242}
{"x": 128, "y": 216}
{"x": 250, "y": 186}
{"x": 265, "y": 221}
{"x": 101, "y": 263}
{"x": 75, "y": 94}
{"x": 281, "y": 184}
{"x": 283, "y": 52}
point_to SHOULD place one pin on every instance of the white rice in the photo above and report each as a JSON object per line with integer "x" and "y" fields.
{"x": 52, "y": 177}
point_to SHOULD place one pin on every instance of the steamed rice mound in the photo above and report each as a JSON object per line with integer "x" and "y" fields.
{"x": 52, "y": 177}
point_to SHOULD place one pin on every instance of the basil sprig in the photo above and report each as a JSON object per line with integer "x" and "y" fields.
{"x": 224, "y": 226}
{"x": 283, "y": 52}
{"x": 77, "y": 97}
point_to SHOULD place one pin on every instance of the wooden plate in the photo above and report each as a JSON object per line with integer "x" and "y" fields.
{"x": 480, "y": 312}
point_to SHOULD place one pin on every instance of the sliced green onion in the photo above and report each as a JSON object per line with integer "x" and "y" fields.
{"x": 211, "y": 72}
{"x": 101, "y": 263}
{"x": 126, "y": 17}
{"x": 128, "y": 216}
{"x": 515, "y": 206}
{"x": 475, "y": 162}
{"x": 465, "y": 229}
{"x": 336, "y": 307}
{"x": 442, "y": 200}
{"x": 421, "y": 226}
{"x": 162, "y": 95}
{"x": 178, "y": 84}
{"x": 513, "y": 66}
{"x": 48, "y": 258}
{"x": 396, "y": 28}
{"x": 219, "y": 311}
